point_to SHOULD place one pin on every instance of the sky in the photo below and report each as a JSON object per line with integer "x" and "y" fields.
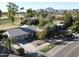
{"x": 42, "y": 5}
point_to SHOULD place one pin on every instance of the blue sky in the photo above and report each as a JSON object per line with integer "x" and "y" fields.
{"x": 38, "y": 5}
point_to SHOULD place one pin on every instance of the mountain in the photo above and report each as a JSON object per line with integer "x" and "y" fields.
{"x": 39, "y": 10}
{"x": 49, "y": 9}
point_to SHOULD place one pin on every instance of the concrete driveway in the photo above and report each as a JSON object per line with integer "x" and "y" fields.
{"x": 28, "y": 47}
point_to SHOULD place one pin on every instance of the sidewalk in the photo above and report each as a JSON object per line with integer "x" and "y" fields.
{"x": 56, "y": 49}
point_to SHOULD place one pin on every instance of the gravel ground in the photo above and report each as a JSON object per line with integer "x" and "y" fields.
{"x": 37, "y": 43}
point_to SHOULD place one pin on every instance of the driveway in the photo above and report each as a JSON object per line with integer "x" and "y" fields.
{"x": 31, "y": 47}
{"x": 28, "y": 47}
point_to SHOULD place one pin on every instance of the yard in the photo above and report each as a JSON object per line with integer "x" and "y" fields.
{"x": 47, "y": 48}
{"x": 6, "y": 23}
{"x": 37, "y": 43}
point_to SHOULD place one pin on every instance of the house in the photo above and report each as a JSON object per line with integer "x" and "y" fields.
{"x": 34, "y": 21}
{"x": 58, "y": 22}
{"x": 22, "y": 32}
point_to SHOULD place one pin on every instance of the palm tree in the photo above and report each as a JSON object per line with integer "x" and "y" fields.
{"x": 7, "y": 42}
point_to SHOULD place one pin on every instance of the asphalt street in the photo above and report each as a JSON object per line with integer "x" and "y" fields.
{"x": 72, "y": 50}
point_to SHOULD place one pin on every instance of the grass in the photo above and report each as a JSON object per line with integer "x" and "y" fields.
{"x": 47, "y": 48}
{"x": 6, "y": 24}
{"x": 4, "y": 21}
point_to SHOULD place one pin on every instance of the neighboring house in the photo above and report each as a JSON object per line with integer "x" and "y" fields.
{"x": 61, "y": 25}
{"x": 34, "y": 21}
{"x": 58, "y": 22}
{"x": 22, "y": 32}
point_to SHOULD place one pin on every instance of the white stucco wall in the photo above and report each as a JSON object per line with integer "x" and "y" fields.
{"x": 17, "y": 37}
{"x": 6, "y": 33}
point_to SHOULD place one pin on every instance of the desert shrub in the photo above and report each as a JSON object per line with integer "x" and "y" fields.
{"x": 20, "y": 51}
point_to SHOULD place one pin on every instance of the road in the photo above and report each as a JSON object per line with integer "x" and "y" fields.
{"x": 72, "y": 50}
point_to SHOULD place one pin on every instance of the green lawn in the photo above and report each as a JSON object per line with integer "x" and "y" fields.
{"x": 47, "y": 48}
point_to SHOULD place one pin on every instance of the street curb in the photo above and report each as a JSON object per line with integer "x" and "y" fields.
{"x": 58, "y": 50}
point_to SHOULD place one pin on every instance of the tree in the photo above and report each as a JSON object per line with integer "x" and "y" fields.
{"x": 0, "y": 13}
{"x": 51, "y": 18}
{"x": 30, "y": 13}
{"x": 21, "y": 8}
{"x": 2, "y": 31}
{"x": 12, "y": 8}
{"x": 1, "y": 34}
{"x": 41, "y": 35}
{"x": 75, "y": 27}
{"x": 42, "y": 22}
{"x": 8, "y": 43}
{"x": 44, "y": 14}
{"x": 51, "y": 29}
{"x": 68, "y": 20}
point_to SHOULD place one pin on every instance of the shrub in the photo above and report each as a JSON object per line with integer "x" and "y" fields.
{"x": 5, "y": 36}
{"x": 20, "y": 51}
{"x": 41, "y": 35}
{"x": 2, "y": 31}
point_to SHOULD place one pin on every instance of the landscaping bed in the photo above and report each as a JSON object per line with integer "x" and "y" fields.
{"x": 47, "y": 48}
{"x": 37, "y": 43}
